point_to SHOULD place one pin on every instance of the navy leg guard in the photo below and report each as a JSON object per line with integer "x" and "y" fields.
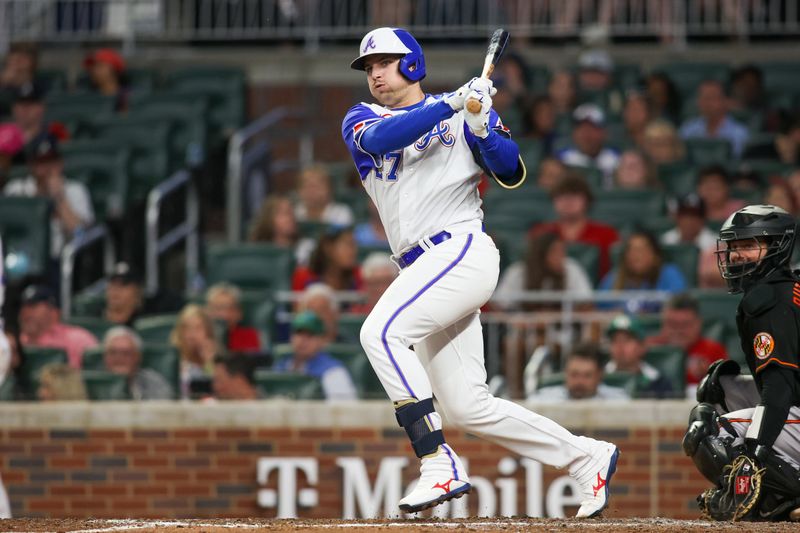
{"x": 411, "y": 417}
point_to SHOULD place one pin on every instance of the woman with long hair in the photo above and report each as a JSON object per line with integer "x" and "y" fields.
{"x": 195, "y": 339}
{"x": 333, "y": 262}
{"x": 642, "y": 267}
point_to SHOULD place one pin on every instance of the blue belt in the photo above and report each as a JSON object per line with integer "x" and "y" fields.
{"x": 406, "y": 258}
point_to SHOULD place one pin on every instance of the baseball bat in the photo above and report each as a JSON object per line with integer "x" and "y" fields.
{"x": 497, "y": 45}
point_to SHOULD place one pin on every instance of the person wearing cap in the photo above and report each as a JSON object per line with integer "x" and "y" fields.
{"x": 28, "y": 112}
{"x": 122, "y": 354}
{"x": 321, "y": 299}
{"x": 627, "y": 349}
{"x": 572, "y": 198}
{"x": 596, "y": 80}
{"x": 714, "y": 121}
{"x": 310, "y": 358}
{"x": 107, "y": 75}
{"x": 40, "y": 325}
{"x": 682, "y": 326}
{"x": 589, "y": 138}
{"x": 124, "y": 298}
{"x": 583, "y": 379}
{"x": 224, "y": 304}
{"x": 72, "y": 206}
{"x": 714, "y": 187}
{"x": 689, "y": 214}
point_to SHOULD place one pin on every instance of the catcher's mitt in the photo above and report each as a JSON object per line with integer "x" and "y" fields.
{"x": 738, "y": 496}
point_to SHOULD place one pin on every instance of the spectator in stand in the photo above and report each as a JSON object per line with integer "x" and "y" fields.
{"x": 321, "y": 300}
{"x": 276, "y": 224}
{"x": 551, "y": 172}
{"x": 714, "y": 121}
{"x": 572, "y": 199}
{"x": 583, "y": 379}
{"x": 689, "y": 215}
{"x": 234, "y": 378}
{"x": 196, "y": 341}
{"x": 642, "y": 267}
{"x": 19, "y": 68}
{"x": 713, "y": 186}
{"x": 72, "y": 206}
{"x": 627, "y": 350}
{"x": 779, "y": 193}
{"x": 124, "y": 299}
{"x": 333, "y": 262}
{"x": 61, "y": 383}
{"x": 664, "y": 98}
{"x": 122, "y": 354}
{"x": 589, "y": 138}
{"x": 378, "y": 272}
{"x": 682, "y": 325}
{"x": 793, "y": 181}
{"x": 662, "y": 144}
{"x": 636, "y": 116}
{"x": 310, "y": 358}
{"x": 539, "y": 122}
{"x": 595, "y": 77}
{"x": 371, "y": 233}
{"x": 316, "y": 204}
{"x": 28, "y": 113}
{"x": 223, "y": 303}
{"x": 40, "y": 325}
{"x": 11, "y": 144}
{"x": 545, "y": 267}
{"x": 107, "y": 76}
{"x": 635, "y": 171}
{"x": 787, "y": 144}
{"x": 561, "y": 91}
{"x": 748, "y": 94}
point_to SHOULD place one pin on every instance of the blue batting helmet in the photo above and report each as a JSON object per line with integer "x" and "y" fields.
{"x": 393, "y": 41}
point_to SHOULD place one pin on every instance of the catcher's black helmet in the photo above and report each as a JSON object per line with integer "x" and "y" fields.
{"x": 762, "y": 225}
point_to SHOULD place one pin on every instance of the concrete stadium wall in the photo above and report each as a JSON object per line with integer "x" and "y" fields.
{"x": 308, "y": 459}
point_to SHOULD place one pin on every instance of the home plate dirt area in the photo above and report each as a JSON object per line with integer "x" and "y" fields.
{"x": 638, "y": 525}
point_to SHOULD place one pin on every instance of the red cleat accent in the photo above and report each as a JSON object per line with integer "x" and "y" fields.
{"x": 445, "y": 486}
{"x": 600, "y": 484}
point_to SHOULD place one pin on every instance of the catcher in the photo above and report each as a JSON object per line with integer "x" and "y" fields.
{"x": 744, "y": 435}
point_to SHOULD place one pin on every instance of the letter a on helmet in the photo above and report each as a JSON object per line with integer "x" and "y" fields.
{"x": 396, "y": 42}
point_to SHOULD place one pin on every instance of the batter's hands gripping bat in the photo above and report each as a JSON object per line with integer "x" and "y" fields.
{"x": 497, "y": 46}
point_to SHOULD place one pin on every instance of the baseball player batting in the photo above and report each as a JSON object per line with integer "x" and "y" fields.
{"x": 419, "y": 157}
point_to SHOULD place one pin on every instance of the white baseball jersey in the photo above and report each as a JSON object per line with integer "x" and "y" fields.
{"x": 426, "y": 187}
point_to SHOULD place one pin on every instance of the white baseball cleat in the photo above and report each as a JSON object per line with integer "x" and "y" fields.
{"x": 595, "y": 487}
{"x": 442, "y": 478}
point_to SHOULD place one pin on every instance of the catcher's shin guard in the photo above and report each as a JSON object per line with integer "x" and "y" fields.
{"x": 702, "y": 443}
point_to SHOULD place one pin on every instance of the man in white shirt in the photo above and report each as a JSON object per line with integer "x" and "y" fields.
{"x": 583, "y": 380}
{"x": 72, "y": 206}
{"x": 689, "y": 213}
{"x": 589, "y": 137}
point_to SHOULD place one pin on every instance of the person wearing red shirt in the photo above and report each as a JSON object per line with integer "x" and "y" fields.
{"x": 333, "y": 262}
{"x": 223, "y": 303}
{"x": 681, "y": 325}
{"x": 572, "y": 199}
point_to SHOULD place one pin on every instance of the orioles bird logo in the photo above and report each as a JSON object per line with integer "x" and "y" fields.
{"x": 763, "y": 344}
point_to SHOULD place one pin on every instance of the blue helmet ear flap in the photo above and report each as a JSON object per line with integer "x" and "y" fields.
{"x": 412, "y": 65}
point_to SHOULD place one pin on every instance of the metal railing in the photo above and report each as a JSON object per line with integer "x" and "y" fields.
{"x": 248, "y": 154}
{"x": 312, "y": 21}
{"x": 187, "y": 230}
{"x": 83, "y": 240}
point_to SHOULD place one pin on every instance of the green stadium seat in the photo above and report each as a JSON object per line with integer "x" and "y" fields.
{"x": 686, "y": 258}
{"x": 188, "y": 140}
{"x": 140, "y": 80}
{"x": 89, "y": 303}
{"x": 622, "y": 380}
{"x": 551, "y": 380}
{"x": 589, "y": 258}
{"x": 703, "y": 152}
{"x": 25, "y": 229}
{"x": 311, "y": 229}
{"x": 226, "y": 112}
{"x": 671, "y": 362}
{"x": 54, "y": 80}
{"x": 688, "y": 76}
{"x": 95, "y": 325}
{"x": 79, "y": 111}
{"x": 261, "y": 267}
{"x": 165, "y": 360}
{"x": 349, "y": 325}
{"x": 718, "y": 304}
{"x": 105, "y": 386}
{"x": 766, "y": 168}
{"x": 532, "y": 152}
{"x": 657, "y": 225}
{"x": 592, "y": 175}
{"x": 679, "y": 178}
{"x": 628, "y": 76}
{"x": 516, "y": 210}
{"x": 36, "y": 358}
{"x": 650, "y": 323}
{"x": 365, "y": 251}
{"x": 626, "y": 208}
{"x": 102, "y": 166}
{"x": 539, "y": 77}
{"x": 7, "y": 389}
{"x": 93, "y": 359}
{"x": 264, "y": 321}
{"x": 291, "y": 386}
{"x": 781, "y": 76}
{"x": 155, "y": 328}
{"x": 512, "y": 244}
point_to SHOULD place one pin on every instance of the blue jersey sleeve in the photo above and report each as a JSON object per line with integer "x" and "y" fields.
{"x": 497, "y": 154}
{"x": 357, "y": 119}
{"x": 398, "y": 131}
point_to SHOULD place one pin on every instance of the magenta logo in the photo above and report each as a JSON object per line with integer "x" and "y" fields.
{"x": 370, "y": 44}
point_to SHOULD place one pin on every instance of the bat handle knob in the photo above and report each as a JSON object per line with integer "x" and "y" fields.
{"x": 473, "y": 105}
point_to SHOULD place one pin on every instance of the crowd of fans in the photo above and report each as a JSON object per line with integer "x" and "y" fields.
{"x": 589, "y": 133}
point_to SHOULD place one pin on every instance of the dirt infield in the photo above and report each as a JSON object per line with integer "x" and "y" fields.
{"x": 537, "y": 525}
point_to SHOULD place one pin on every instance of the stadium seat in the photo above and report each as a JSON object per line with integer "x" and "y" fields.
{"x": 140, "y": 80}
{"x": 516, "y": 210}
{"x": 626, "y": 208}
{"x": 25, "y": 229}
{"x": 349, "y": 326}
{"x": 7, "y": 389}
{"x": 54, "y": 80}
{"x": 588, "y": 256}
{"x": 88, "y": 303}
{"x": 261, "y": 267}
{"x": 79, "y": 111}
{"x": 532, "y": 152}
{"x": 781, "y": 76}
{"x": 164, "y": 359}
{"x": 155, "y": 328}
{"x": 703, "y": 152}
{"x": 622, "y": 380}
{"x": 718, "y": 304}
{"x": 188, "y": 140}
{"x": 671, "y": 362}
{"x": 263, "y": 320}
{"x": 93, "y": 359}
{"x": 592, "y": 175}
{"x": 679, "y": 178}
{"x": 291, "y": 386}
{"x": 688, "y": 76}
{"x": 650, "y": 323}
{"x": 551, "y": 380}
{"x": 105, "y": 386}
{"x": 102, "y": 166}
{"x": 628, "y": 76}
{"x": 685, "y": 257}
{"x": 36, "y": 358}
{"x": 364, "y": 251}
{"x": 95, "y": 325}
{"x": 657, "y": 225}
{"x": 312, "y": 229}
